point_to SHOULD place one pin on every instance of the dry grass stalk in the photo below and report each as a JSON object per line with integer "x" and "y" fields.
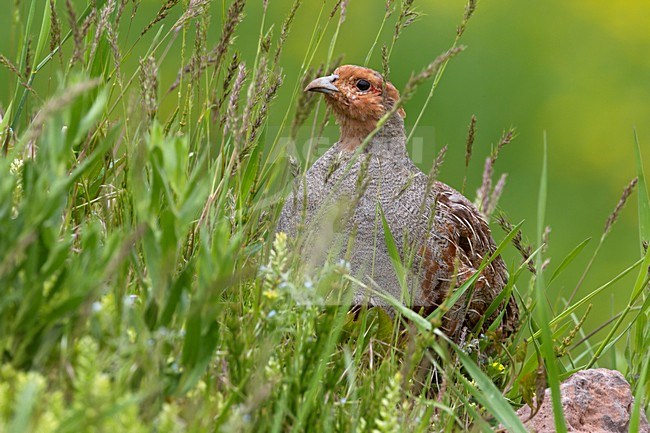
{"x": 471, "y": 136}
{"x": 149, "y": 86}
{"x": 470, "y": 8}
{"x": 344, "y": 11}
{"x": 483, "y": 196}
{"x": 524, "y": 249}
{"x": 306, "y": 101}
{"x": 408, "y": 15}
{"x": 233, "y": 18}
{"x": 437, "y": 164}
{"x": 199, "y": 51}
{"x": 28, "y": 59}
{"x": 432, "y": 177}
{"x": 120, "y": 11}
{"x": 428, "y": 72}
{"x": 55, "y": 30}
{"x": 385, "y": 62}
{"x": 232, "y": 117}
{"x": 545, "y": 238}
{"x": 506, "y": 138}
{"x": 263, "y": 79}
{"x": 90, "y": 19}
{"x": 495, "y": 196}
{"x": 102, "y": 23}
{"x": 286, "y": 27}
{"x": 76, "y": 32}
{"x": 194, "y": 9}
{"x": 269, "y": 95}
{"x": 111, "y": 35}
{"x": 4, "y": 61}
{"x": 328, "y": 110}
{"x": 227, "y": 87}
{"x": 619, "y": 206}
{"x": 469, "y": 146}
{"x": 254, "y": 95}
{"x": 335, "y": 8}
{"x": 162, "y": 14}
{"x": 134, "y": 9}
{"x": 199, "y": 60}
{"x": 294, "y": 167}
{"x": 483, "y": 193}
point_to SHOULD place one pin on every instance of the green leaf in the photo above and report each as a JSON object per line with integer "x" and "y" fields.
{"x": 541, "y": 312}
{"x": 568, "y": 259}
{"x": 639, "y": 396}
{"x": 395, "y": 259}
{"x": 488, "y": 395}
{"x": 26, "y": 402}
{"x": 92, "y": 114}
{"x": 644, "y": 201}
{"x": 43, "y": 34}
{"x": 420, "y": 322}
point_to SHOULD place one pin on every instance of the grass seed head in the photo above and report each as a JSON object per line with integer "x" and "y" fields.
{"x": 471, "y": 136}
{"x": 437, "y": 164}
{"x": 233, "y": 18}
{"x": 306, "y": 100}
{"x": 194, "y": 9}
{"x": 55, "y": 29}
{"x": 77, "y": 37}
{"x": 233, "y": 66}
{"x": 620, "y": 205}
{"x": 495, "y": 196}
{"x": 161, "y": 15}
{"x": 286, "y": 27}
{"x": 232, "y": 116}
{"x": 470, "y": 8}
{"x": 149, "y": 86}
{"x": 517, "y": 241}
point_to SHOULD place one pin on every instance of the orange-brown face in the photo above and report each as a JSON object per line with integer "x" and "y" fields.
{"x": 356, "y": 94}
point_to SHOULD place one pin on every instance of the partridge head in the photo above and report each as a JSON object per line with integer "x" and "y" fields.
{"x": 359, "y": 97}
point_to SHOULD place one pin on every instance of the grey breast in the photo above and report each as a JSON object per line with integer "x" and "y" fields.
{"x": 345, "y": 193}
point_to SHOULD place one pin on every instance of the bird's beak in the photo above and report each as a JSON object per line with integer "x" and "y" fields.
{"x": 323, "y": 85}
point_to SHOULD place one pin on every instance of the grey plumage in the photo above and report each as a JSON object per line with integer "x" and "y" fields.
{"x": 440, "y": 236}
{"x": 435, "y": 228}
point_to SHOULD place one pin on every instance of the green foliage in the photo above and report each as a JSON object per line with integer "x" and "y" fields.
{"x": 143, "y": 287}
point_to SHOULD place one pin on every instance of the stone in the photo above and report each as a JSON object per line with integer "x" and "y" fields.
{"x": 594, "y": 401}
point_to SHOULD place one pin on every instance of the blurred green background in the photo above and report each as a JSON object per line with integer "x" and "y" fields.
{"x": 579, "y": 70}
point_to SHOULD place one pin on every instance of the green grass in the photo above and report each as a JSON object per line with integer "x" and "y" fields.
{"x": 143, "y": 287}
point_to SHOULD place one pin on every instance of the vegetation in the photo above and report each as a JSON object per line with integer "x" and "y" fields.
{"x": 143, "y": 287}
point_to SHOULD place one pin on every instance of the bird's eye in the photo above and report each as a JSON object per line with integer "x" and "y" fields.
{"x": 363, "y": 85}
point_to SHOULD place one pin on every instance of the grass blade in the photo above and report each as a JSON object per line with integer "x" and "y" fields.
{"x": 639, "y": 396}
{"x": 488, "y": 394}
{"x": 568, "y": 259}
{"x": 541, "y": 312}
{"x": 644, "y": 200}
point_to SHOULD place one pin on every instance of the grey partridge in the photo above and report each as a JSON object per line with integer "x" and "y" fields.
{"x": 440, "y": 235}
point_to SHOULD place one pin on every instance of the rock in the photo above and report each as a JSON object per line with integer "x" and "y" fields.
{"x": 594, "y": 401}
